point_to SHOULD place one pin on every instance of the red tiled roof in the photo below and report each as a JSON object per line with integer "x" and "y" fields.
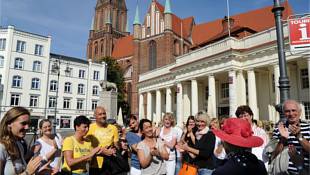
{"x": 257, "y": 20}
{"x": 186, "y": 25}
{"x": 123, "y": 47}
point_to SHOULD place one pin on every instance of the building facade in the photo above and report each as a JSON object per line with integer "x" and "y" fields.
{"x": 172, "y": 64}
{"x": 29, "y": 78}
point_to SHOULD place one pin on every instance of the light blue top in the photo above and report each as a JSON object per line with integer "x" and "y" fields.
{"x": 133, "y": 138}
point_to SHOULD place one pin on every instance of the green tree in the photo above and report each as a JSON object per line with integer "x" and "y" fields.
{"x": 116, "y": 75}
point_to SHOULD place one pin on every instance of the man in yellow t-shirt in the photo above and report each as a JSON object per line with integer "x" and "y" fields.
{"x": 104, "y": 135}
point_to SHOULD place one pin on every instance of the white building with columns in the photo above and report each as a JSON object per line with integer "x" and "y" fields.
{"x": 223, "y": 75}
{"x": 28, "y": 79}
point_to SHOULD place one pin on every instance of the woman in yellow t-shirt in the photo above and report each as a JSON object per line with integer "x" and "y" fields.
{"x": 78, "y": 150}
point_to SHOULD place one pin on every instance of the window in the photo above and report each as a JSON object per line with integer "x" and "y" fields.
{"x": 68, "y": 72}
{"x": 1, "y": 61}
{"x": 79, "y": 104}
{"x": 96, "y": 75}
{"x": 81, "y": 73}
{"x": 19, "y": 63}
{"x": 307, "y": 110}
{"x": 17, "y": 81}
{"x": 2, "y": 43}
{"x": 207, "y": 93}
{"x": 81, "y": 89}
{"x": 35, "y": 83}
{"x": 95, "y": 90}
{"x": 152, "y": 55}
{"x": 34, "y": 99}
{"x": 20, "y": 46}
{"x": 15, "y": 99}
{"x": 38, "y": 50}
{"x": 225, "y": 90}
{"x": 94, "y": 104}
{"x": 67, "y": 87}
{"x": 52, "y": 102}
{"x": 65, "y": 122}
{"x": 304, "y": 78}
{"x": 66, "y": 103}
{"x": 0, "y": 78}
{"x": 53, "y": 85}
{"x": 36, "y": 67}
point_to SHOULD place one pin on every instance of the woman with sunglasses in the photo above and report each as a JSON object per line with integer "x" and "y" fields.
{"x": 14, "y": 126}
{"x": 204, "y": 146}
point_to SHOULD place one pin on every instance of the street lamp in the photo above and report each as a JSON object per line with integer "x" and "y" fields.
{"x": 56, "y": 69}
{"x": 284, "y": 83}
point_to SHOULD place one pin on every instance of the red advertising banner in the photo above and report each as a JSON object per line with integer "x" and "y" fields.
{"x": 299, "y": 33}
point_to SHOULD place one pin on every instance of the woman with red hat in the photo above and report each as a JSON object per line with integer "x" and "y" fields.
{"x": 238, "y": 139}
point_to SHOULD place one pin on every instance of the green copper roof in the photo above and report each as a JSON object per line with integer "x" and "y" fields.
{"x": 137, "y": 19}
{"x": 168, "y": 7}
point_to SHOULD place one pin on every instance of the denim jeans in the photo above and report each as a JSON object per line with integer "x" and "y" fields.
{"x": 204, "y": 171}
{"x": 178, "y": 165}
{"x": 80, "y": 174}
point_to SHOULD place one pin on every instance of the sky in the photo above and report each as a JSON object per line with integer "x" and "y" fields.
{"x": 68, "y": 21}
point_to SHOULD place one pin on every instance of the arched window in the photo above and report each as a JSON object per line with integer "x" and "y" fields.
{"x": 53, "y": 85}
{"x": 96, "y": 48}
{"x": 176, "y": 48}
{"x": 95, "y": 90}
{"x": 67, "y": 87}
{"x": 1, "y": 61}
{"x": 36, "y": 67}
{"x": 152, "y": 55}
{"x": 35, "y": 83}
{"x": 19, "y": 63}
{"x": 17, "y": 81}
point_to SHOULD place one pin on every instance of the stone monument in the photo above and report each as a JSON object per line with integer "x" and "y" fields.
{"x": 108, "y": 98}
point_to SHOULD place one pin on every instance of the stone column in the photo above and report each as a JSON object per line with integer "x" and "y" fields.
{"x": 276, "y": 73}
{"x": 252, "y": 93}
{"x": 194, "y": 99}
{"x": 141, "y": 107}
{"x": 149, "y": 106}
{"x": 168, "y": 100}
{"x": 179, "y": 104}
{"x": 158, "y": 106}
{"x": 241, "y": 88}
{"x": 232, "y": 92}
{"x": 212, "y": 96}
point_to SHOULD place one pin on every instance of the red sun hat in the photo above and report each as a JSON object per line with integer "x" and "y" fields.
{"x": 238, "y": 132}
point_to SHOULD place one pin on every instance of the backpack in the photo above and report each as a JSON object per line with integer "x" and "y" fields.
{"x": 279, "y": 164}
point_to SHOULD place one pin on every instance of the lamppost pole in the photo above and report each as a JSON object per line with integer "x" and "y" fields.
{"x": 57, "y": 89}
{"x": 284, "y": 84}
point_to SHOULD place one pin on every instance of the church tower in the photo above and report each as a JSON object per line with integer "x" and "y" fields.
{"x": 109, "y": 23}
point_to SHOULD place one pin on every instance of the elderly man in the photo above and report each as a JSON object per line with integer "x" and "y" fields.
{"x": 105, "y": 135}
{"x": 296, "y": 134}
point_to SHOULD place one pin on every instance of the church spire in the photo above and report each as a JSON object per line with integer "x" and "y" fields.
{"x": 168, "y": 7}
{"x": 93, "y": 23}
{"x": 137, "y": 18}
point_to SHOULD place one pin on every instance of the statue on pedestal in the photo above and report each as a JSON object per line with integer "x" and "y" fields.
{"x": 108, "y": 86}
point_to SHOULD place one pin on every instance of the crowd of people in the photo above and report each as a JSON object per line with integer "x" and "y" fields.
{"x": 203, "y": 146}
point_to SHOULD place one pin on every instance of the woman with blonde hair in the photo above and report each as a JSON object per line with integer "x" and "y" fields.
{"x": 49, "y": 146}
{"x": 204, "y": 146}
{"x": 168, "y": 135}
{"x": 14, "y": 126}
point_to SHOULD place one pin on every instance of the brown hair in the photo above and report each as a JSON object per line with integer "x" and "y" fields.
{"x": 6, "y": 136}
{"x": 41, "y": 124}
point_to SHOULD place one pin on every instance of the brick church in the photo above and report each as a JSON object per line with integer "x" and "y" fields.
{"x": 161, "y": 37}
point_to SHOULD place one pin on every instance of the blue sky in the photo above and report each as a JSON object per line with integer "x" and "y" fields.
{"x": 69, "y": 21}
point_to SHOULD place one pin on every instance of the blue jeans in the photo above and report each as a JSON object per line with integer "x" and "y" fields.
{"x": 204, "y": 171}
{"x": 178, "y": 165}
{"x": 80, "y": 174}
